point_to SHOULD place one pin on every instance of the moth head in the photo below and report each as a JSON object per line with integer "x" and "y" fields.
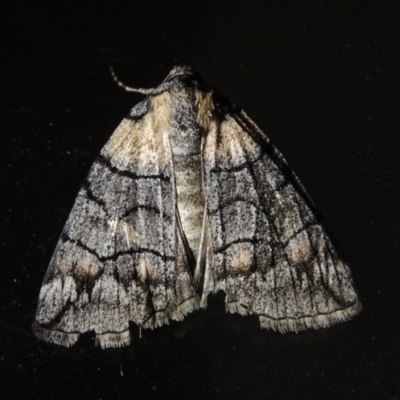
{"x": 179, "y": 75}
{"x": 181, "y": 70}
{"x": 184, "y": 70}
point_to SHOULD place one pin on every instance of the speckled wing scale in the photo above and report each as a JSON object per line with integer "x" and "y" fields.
{"x": 188, "y": 198}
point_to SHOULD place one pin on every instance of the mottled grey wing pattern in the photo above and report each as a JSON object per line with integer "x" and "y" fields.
{"x": 270, "y": 251}
{"x": 188, "y": 175}
{"x": 121, "y": 256}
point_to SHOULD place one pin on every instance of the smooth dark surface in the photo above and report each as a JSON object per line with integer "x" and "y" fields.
{"x": 321, "y": 79}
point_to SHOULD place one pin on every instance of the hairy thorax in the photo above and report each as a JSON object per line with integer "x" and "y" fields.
{"x": 185, "y": 141}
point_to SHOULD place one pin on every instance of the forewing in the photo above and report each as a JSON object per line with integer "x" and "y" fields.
{"x": 270, "y": 251}
{"x": 121, "y": 256}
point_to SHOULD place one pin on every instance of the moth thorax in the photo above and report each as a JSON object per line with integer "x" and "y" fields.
{"x": 185, "y": 139}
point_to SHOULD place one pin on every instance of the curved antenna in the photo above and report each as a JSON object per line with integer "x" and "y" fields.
{"x": 135, "y": 90}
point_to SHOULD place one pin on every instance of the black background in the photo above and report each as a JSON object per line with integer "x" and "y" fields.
{"x": 321, "y": 78}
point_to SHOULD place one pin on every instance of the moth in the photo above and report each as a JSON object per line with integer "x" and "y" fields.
{"x": 189, "y": 197}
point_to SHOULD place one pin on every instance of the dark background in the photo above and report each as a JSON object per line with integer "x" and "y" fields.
{"x": 321, "y": 78}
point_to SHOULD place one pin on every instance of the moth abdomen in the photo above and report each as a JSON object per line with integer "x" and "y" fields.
{"x": 186, "y": 138}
